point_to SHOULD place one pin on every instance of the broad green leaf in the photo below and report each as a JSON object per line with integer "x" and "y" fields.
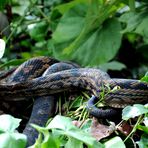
{"x": 143, "y": 143}
{"x": 73, "y": 143}
{"x": 99, "y": 46}
{"x": 88, "y": 37}
{"x": 9, "y": 123}
{"x": 115, "y": 142}
{"x": 15, "y": 140}
{"x": 142, "y": 28}
{"x": 133, "y": 111}
{"x": 132, "y": 20}
{"x": 61, "y": 122}
{"x": 2, "y": 48}
{"x": 46, "y": 139}
{"x": 50, "y": 141}
{"x": 65, "y": 124}
{"x": 70, "y": 24}
{"x": 114, "y": 65}
{"x": 65, "y": 7}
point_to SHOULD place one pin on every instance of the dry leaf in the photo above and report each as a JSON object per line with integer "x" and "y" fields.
{"x": 100, "y": 131}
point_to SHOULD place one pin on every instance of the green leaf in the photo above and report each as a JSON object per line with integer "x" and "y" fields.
{"x": 14, "y": 62}
{"x": 8, "y": 137}
{"x": 132, "y": 20}
{"x": 142, "y": 28}
{"x": 114, "y": 65}
{"x": 143, "y": 128}
{"x": 143, "y": 143}
{"x": 50, "y": 141}
{"x": 70, "y": 24}
{"x": 65, "y": 7}
{"x": 64, "y": 124}
{"x": 38, "y": 32}
{"x": 17, "y": 140}
{"x": 73, "y": 143}
{"x": 115, "y": 142}
{"x": 133, "y": 111}
{"x": 9, "y": 123}
{"x": 145, "y": 78}
{"x": 61, "y": 122}
{"x": 89, "y": 37}
{"x": 99, "y": 46}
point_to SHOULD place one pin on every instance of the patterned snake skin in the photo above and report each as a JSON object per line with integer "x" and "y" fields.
{"x": 31, "y": 80}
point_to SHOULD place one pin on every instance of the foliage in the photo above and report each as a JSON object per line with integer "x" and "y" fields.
{"x": 61, "y": 132}
{"x": 145, "y": 78}
{"x": 89, "y": 32}
{"x": 61, "y": 127}
{"x": 137, "y": 110}
{"x": 94, "y": 33}
{"x": 133, "y": 111}
{"x": 8, "y": 135}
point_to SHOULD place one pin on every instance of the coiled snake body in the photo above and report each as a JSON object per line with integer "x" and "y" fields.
{"x": 27, "y": 81}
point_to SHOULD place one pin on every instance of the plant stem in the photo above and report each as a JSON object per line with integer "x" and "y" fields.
{"x": 135, "y": 127}
{"x": 132, "y": 5}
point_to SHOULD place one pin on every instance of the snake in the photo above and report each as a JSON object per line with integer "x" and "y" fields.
{"x": 30, "y": 79}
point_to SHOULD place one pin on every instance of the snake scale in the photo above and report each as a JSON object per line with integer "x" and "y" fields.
{"x": 42, "y": 77}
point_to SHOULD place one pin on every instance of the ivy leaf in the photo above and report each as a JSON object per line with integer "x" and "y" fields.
{"x": 17, "y": 140}
{"x": 8, "y": 123}
{"x": 8, "y": 136}
{"x": 65, "y": 126}
{"x": 115, "y": 142}
{"x": 133, "y": 111}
